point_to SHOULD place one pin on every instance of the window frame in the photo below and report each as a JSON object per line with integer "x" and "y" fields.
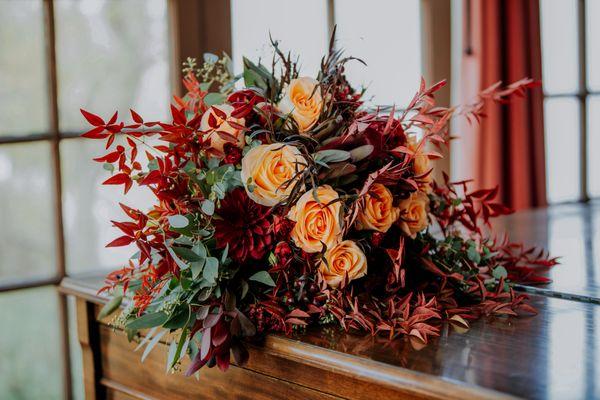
{"x": 581, "y": 95}
{"x": 186, "y": 22}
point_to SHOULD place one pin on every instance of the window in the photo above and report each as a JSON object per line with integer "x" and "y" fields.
{"x": 386, "y": 35}
{"x": 56, "y": 57}
{"x": 61, "y": 55}
{"x": 571, "y": 61}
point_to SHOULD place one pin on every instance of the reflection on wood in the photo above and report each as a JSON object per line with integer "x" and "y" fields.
{"x": 571, "y": 231}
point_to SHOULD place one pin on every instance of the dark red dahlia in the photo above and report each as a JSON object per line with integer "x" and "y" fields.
{"x": 245, "y": 226}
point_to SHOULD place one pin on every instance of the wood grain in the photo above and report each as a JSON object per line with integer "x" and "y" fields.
{"x": 122, "y": 367}
{"x": 87, "y": 332}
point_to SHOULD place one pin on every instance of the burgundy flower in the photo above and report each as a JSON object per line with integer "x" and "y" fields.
{"x": 377, "y": 238}
{"x": 282, "y": 227}
{"x": 283, "y": 252}
{"x": 245, "y": 226}
{"x": 233, "y": 154}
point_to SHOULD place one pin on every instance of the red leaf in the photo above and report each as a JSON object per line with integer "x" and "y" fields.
{"x": 110, "y": 140}
{"x": 296, "y": 321}
{"x": 136, "y": 117}
{"x": 223, "y": 361}
{"x": 152, "y": 178}
{"x": 120, "y": 241}
{"x": 113, "y": 119}
{"x": 109, "y": 158}
{"x": 178, "y": 115}
{"x": 298, "y": 313}
{"x": 96, "y": 133}
{"x": 117, "y": 179}
{"x": 92, "y": 118}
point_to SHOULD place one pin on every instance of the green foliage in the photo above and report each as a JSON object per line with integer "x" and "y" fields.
{"x": 178, "y": 221}
{"x": 263, "y": 277}
{"x": 257, "y": 76}
{"x": 148, "y": 321}
{"x": 111, "y": 306}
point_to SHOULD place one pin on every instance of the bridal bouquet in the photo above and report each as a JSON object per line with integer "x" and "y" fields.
{"x": 285, "y": 202}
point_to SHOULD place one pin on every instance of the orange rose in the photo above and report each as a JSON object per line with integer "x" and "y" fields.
{"x": 378, "y": 212}
{"x": 268, "y": 170}
{"x": 317, "y": 222}
{"x": 345, "y": 258}
{"x": 303, "y": 102}
{"x": 413, "y": 213}
{"x": 421, "y": 164}
{"x": 218, "y": 119}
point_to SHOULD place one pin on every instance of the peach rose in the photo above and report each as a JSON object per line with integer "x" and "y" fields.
{"x": 317, "y": 222}
{"x": 218, "y": 119}
{"x": 303, "y": 102}
{"x": 421, "y": 163}
{"x": 267, "y": 170}
{"x": 345, "y": 258}
{"x": 413, "y": 213}
{"x": 378, "y": 212}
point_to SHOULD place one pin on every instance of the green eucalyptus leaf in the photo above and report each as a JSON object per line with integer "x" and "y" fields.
{"x": 210, "y": 58}
{"x": 179, "y": 319}
{"x": 473, "y": 254}
{"x": 211, "y": 270}
{"x": 245, "y": 288}
{"x": 214, "y": 98}
{"x": 331, "y": 156}
{"x": 499, "y": 272}
{"x": 171, "y": 356}
{"x": 178, "y": 221}
{"x": 110, "y": 307}
{"x": 187, "y": 254}
{"x": 152, "y": 343}
{"x": 196, "y": 268}
{"x": 225, "y": 253}
{"x": 200, "y": 249}
{"x": 208, "y": 207}
{"x": 178, "y": 260}
{"x": 263, "y": 277}
{"x": 148, "y": 321}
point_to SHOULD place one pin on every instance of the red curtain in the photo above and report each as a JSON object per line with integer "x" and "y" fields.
{"x": 501, "y": 42}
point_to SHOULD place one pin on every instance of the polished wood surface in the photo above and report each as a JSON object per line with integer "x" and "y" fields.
{"x": 555, "y": 354}
{"x": 571, "y": 231}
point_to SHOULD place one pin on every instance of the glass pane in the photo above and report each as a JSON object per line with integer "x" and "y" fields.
{"x": 30, "y": 357}
{"x": 592, "y": 14}
{"x": 111, "y": 55}
{"x": 561, "y": 120}
{"x": 300, "y": 27}
{"x": 27, "y": 242}
{"x": 386, "y": 35}
{"x": 89, "y": 206}
{"x": 560, "y": 60}
{"x": 23, "y": 101}
{"x": 593, "y": 146}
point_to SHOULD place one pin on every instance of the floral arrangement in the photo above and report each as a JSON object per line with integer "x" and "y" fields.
{"x": 288, "y": 203}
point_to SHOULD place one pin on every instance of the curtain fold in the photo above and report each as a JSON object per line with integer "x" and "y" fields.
{"x": 501, "y": 42}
